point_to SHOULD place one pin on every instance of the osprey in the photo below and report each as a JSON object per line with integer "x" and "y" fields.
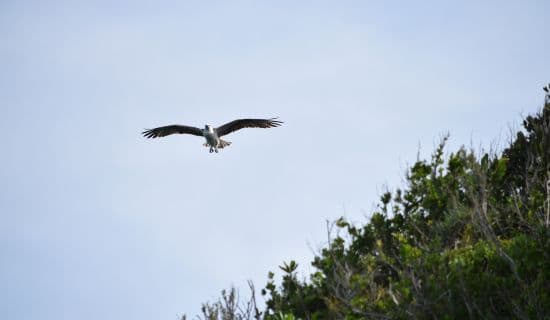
{"x": 212, "y": 135}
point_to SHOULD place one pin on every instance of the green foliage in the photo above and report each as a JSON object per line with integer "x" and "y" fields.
{"x": 468, "y": 237}
{"x": 281, "y": 316}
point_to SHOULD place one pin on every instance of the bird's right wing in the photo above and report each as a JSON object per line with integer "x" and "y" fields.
{"x": 247, "y": 123}
{"x": 168, "y": 130}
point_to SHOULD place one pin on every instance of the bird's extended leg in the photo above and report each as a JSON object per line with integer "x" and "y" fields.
{"x": 216, "y": 149}
{"x": 211, "y": 149}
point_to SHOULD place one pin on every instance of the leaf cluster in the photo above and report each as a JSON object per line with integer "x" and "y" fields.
{"x": 467, "y": 237}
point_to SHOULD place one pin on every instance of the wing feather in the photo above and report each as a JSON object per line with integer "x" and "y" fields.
{"x": 168, "y": 130}
{"x": 247, "y": 123}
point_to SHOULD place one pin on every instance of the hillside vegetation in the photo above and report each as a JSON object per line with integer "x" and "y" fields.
{"x": 466, "y": 237}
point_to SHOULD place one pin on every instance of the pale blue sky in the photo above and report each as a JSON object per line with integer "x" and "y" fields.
{"x": 99, "y": 223}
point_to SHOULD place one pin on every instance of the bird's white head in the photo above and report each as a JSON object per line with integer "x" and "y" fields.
{"x": 208, "y": 128}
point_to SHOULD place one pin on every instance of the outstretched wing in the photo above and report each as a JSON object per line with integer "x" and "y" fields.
{"x": 247, "y": 123}
{"x": 168, "y": 130}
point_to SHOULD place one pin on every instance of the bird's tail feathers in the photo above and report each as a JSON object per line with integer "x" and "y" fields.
{"x": 221, "y": 145}
{"x": 224, "y": 144}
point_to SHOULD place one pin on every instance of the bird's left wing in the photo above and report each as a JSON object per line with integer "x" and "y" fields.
{"x": 247, "y": 123}
{"x": 168, "y": 130}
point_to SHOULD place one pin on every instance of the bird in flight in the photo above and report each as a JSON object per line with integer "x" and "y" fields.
{"x": 212, "y": 135}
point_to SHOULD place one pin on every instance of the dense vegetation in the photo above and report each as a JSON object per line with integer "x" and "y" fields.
{"x": 467, "y": 237}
